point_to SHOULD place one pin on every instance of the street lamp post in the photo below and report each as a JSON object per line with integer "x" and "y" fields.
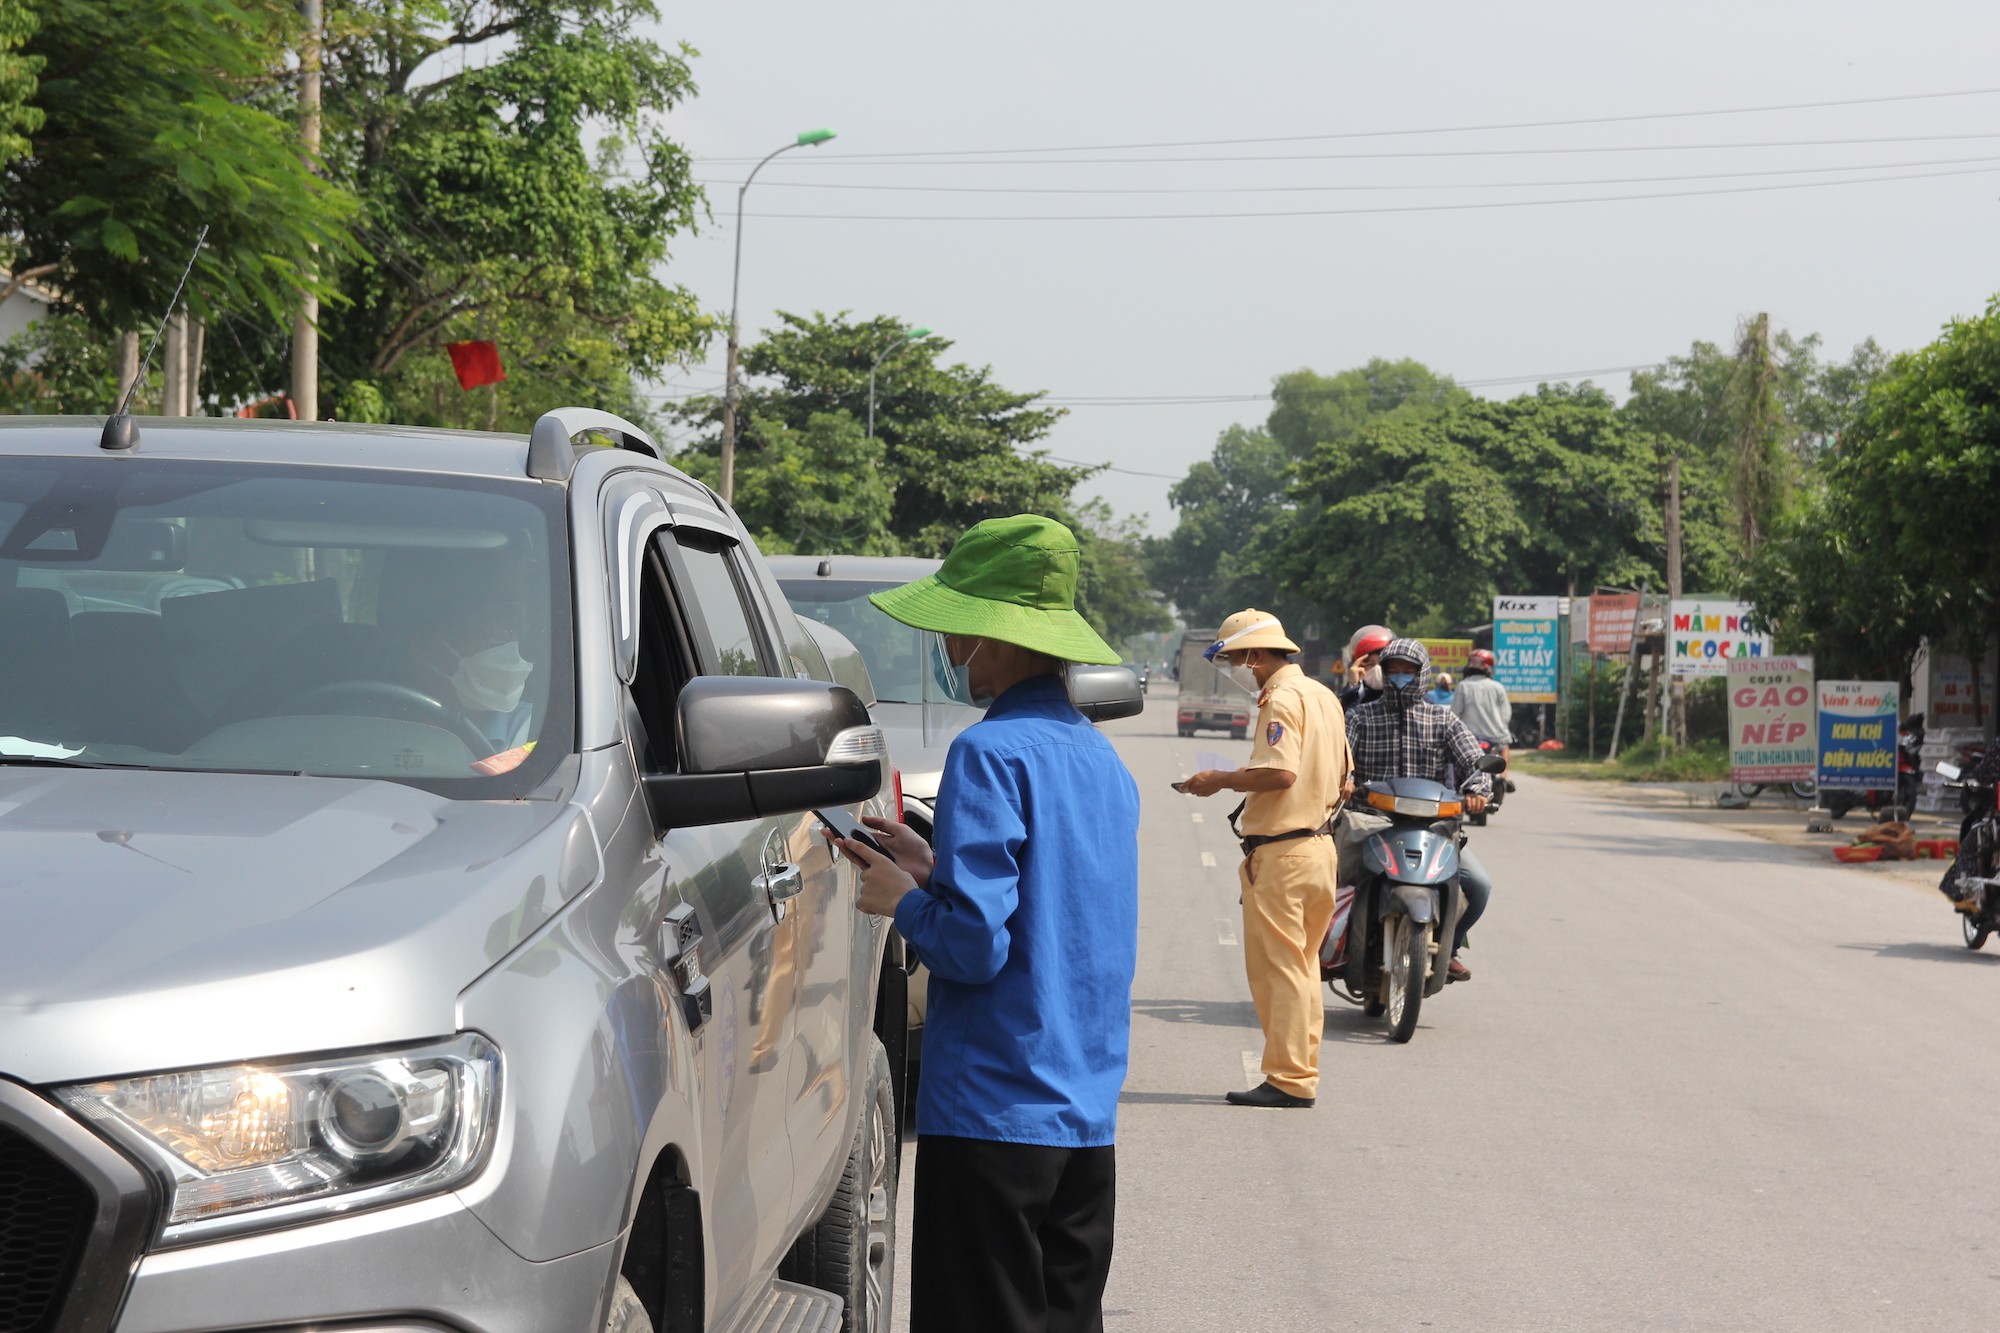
{"x": 909, "y": 336}
{"x": 806, "y": 139}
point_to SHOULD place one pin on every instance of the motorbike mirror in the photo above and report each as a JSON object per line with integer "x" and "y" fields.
{"x": 1492, "y": 763}
{"x": 1949, "y": 771}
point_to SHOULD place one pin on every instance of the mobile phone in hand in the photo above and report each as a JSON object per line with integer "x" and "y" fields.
{"x": 844, "y": 825}
{"x": 1180, "y": 786}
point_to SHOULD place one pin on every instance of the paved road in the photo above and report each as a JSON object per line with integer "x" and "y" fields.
{"x": 1700, "y": 1081}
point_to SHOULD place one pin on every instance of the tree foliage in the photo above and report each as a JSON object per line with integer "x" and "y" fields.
{"x": 19, "y": 117}
{"x": 465, "y": 128}
{"x": 159, "y": 117}
{"x": 955, "y": 447}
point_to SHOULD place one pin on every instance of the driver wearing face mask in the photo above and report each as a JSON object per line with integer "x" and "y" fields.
{"x": 1404, "y": 735}
{"x": 1364, "y": 668}
{"x": 453, "y": 625}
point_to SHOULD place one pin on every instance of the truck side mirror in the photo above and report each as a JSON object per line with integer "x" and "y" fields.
{"x": 1102, "y": 693}
{"x": 753, "y": 746}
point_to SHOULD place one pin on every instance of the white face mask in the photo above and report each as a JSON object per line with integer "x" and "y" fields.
{"x": 1372, "y": 677}
{"x": 492, "y": 681}
{"x": 1245, "y": 678}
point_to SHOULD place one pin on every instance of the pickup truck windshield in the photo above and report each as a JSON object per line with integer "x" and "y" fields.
{"x": 338, "y": 622}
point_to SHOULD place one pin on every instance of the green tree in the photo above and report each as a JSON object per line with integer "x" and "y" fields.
{"x": 1309, "y": 410}
{"x": 955, "y": 446}
{"x": 1216, "y": 560}
{"x": 1114, "y": 592}
{"x": 1399, "y": 523}
{"x": 19, "y": 117}
{"x": 160, "y": 117}
{"x": 466, "y": 127}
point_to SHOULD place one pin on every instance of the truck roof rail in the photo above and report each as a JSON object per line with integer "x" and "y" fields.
{"x": 550, "y": 453}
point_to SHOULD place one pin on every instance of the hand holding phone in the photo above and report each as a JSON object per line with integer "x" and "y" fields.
{"x": 843, "y": 825}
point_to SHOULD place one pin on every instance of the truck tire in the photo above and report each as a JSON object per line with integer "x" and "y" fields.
{"x": 851, "y": 1250}
{"x": 626, "y": 1314}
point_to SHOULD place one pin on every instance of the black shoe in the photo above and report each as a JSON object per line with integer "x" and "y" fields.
{"x": 1266, "y": 1095}
{"x": 1510, "y": 783}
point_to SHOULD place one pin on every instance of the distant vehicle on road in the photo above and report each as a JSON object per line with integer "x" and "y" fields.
{"x": 1209, "y": 700}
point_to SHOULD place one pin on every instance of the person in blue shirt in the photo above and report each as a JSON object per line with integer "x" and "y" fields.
{"x": 1025, "y": 909}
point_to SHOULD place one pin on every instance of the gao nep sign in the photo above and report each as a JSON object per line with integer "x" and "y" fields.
{"x": 1857, "y": 733}
{"x": 1524, "y": 648}
{"x": 1771, "y": 719}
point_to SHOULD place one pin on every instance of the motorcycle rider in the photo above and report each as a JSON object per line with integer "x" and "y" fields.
{"x": 1404, "y": 735}
{"x": 1481, "y": 703}
{"x": 1975, "y": 850}
{"x": 1442, "y": 691}
{"x": 1364, "y": 672}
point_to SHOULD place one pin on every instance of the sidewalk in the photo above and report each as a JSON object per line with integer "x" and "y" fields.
{"x": 1774, "y": 816}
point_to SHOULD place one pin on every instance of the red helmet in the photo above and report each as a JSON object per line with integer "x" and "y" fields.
{"x": 1369, "y": 639}
{"x": 1479, "y": 660}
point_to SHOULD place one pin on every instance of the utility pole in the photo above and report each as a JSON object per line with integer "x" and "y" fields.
{"x": 128, "y": 362}
{"x": 305, "y": 323}
{"x": 1677, "y": 688}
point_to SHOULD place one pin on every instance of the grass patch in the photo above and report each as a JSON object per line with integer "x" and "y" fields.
{"x": 1648, "y": 761}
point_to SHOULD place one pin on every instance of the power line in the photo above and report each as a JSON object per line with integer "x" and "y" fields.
{"x": 1396, "y": 156}
{"x": 1399, "y": 133}
{"x": 1355, "y": 212}
{"x": 1324, "y": 189}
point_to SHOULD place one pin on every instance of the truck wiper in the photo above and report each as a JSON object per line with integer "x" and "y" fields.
{"x": 52, "y": 761}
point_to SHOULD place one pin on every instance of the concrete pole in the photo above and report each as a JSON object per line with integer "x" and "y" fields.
{"x": 305, "y": 323}
{"x": 1677, "y": 688}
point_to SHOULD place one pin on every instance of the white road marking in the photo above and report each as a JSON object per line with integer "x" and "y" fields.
{"x": 1253, "y": 1068}
{"x": 1198, "y": 817}
{"x": 1225, "y": 930}
{"x": 1208, "y": 859}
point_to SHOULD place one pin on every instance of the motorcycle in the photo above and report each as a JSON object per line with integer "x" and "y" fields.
{"x": 1390, "y": 940}
{"x": 1978, "y": 838}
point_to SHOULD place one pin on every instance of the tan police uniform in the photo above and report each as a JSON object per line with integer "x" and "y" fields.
{"x": 1288, "y": 882}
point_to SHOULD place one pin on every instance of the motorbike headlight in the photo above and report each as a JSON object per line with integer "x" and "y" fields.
{"x": 255, "y": 1145}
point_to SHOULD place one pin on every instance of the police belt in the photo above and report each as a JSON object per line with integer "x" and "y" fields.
{"x": 1252, "y": 841}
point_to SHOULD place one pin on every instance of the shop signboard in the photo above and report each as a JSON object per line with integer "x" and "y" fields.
{"x": 1613, "y": 615}
{"x": 1448, "y": 655}
{"x": 1857, "y": 734}
{"x": 1771, "y": 719}
{"x": 1705, "y": 635}
{"x": 1525, "y": 644}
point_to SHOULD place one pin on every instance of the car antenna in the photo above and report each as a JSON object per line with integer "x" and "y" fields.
{"x": 121, "y": 432}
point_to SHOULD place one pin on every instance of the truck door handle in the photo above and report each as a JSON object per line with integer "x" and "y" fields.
{"x": 781, "y": 881}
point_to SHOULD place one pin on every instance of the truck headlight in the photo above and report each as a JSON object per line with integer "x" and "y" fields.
{"x": 256, "y": 1145}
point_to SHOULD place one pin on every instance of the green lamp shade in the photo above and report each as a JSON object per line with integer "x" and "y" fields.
{"x": 810, "y": 137}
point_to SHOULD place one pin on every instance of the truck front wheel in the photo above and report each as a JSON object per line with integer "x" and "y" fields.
{"x": 851, "y": 1250}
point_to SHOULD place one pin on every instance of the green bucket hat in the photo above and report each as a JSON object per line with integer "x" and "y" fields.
{"x": 1011, "y": 579}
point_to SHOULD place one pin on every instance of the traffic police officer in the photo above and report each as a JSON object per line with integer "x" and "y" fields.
{"x": 1291, "y": 787}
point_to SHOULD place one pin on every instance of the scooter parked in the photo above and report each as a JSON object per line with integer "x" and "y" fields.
{"x": 1391, "y": 935}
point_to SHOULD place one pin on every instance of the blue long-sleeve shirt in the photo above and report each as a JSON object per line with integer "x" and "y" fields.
{"x": 1030, "y": 928}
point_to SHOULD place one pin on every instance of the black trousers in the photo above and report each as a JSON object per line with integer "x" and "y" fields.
{"x": 1010, "y": 1237}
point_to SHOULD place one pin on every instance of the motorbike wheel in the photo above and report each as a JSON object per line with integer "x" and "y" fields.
{"x": 1806, "y": 790}
{"x": 1407, "y": 958}
{"x": 1976, "y": 930}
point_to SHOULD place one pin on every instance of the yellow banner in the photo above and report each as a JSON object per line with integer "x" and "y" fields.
{"x": 1448, "y": 654}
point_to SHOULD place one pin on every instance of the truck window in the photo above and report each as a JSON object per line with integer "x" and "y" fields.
{"x": 717, "y": 602}
{"x": 664, "y": 665}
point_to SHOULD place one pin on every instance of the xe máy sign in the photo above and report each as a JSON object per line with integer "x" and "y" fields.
{"x": 1524, "y": 648}
{"x": 1771, "y": 719}
{"x": 1705, "y": 636}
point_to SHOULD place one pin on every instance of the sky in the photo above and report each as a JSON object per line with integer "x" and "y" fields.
{"x": 1140, "y": 310}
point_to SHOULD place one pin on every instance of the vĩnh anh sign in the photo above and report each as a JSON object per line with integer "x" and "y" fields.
{"x": 1705, "y": 636}
{"x": 1771, "y": 719}
{"x": 1857, "y": 733}
{"x": 1525, "y": 645}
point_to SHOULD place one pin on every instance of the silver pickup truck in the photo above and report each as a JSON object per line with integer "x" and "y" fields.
{"x": 412, "y": 916}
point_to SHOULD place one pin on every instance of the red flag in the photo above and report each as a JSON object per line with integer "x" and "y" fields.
{"x": 476, "y": 363}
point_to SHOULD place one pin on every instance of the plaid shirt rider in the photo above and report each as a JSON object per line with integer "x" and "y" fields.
{"x": 1407, "y": 737}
